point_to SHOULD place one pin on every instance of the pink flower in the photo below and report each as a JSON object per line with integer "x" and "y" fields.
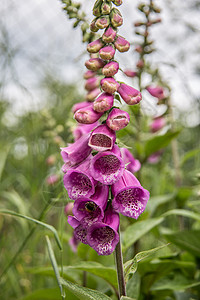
{"x": 117, "y": 119}
{"x": 130, "y": 73}
{"x": 133, "y": 165}
{"x": 107, "y": 52}
{"x": 103, "y": 103}
{"x": 92, "y": 83}
{"x": 91, "y": 95}
{"x": 109, "y": 35}
{"x": 157, "y": 124}
{"x": 110, "y": 69}
{"x": 156, "y": 91}
{"x": 109, "y": 85}
{"x": 102, "y": 138}
{"x": 94, "y": 64}
{"x": 116, "y": 18}
{"x": 87, "y": 115}
{"x": 82, "y": 129}
{"x": 52, "y": 179}
{"x": 121, "y": 44}
{"x": 79, "y": 105}
{"x": 130, "y": 95}
{"x": 94, "y": 46}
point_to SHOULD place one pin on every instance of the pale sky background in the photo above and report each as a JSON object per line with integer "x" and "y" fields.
{"x": 41, "y": 38}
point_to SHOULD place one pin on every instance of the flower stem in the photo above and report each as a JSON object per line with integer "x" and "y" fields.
{"x": 120, "y": 269}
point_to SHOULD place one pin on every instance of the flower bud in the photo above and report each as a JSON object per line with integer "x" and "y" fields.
{"x": 92, "y": 83}
{"x": 140, "y": 64}
{"x": 94, "y": 46}
{"x": 121, "y": 44}
{"x": 130, "y": 95}
{"x": 102, "y": 138}
{"x": 97, "y": 8}
{"x": 117, "y": 119}
{"x": 116, "y": 18}
{"x": 130, "y": 73}
{"x": 109, "y": 35}
{"x": 117, "y": 2}
{"x": 93, "y": 27}
{"x": 106, "y": 8}
{"x": 87, "y": 115}
{"x": 68, "y": 209}
{"x": 51, "y": 160}
{"x": 133, "y": 165}
{"x": 102, "y": 22}
{"x": 79, "y": 105}
{"x": 109, "y": 85}
{"x": 156, "y": 91}
{"x": 103, "y": 103}
{"x": 157, "y": 124}
{"x": 52, "y": 179}
{"x": 110, "y": 69}
{"x": 92, "y": 94}
{"x": 89, "y": 74}
{"x": 94, "y": 64}
{"x": 107, "y": 52}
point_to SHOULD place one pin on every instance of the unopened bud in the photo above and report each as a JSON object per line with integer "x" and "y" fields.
{"x": 52, "y": 179}
{"x": 121, "y": 44}
{"x": 94, "y": 46}
{"x": 130, "y": 95}
{"x": 130, "y": 73}
{"x": 106, "y": 8}
{"x": 51, "y": 160}
{"x": 94, "y": 64}
{"x": 79, "y": 105}
{"x": 109, "y": 85}
{"x": 103, "y": 103}
{"x": 102, "y": 22}
{"x": 92, "y": 83}
{"x": 97, "y": 8}
{"x": 92, "y": 95}
{"x": 87, "y": 115}
{"x": 116, "y": 18}
{"x": 117, "y": 2}
{"x": 139, "y": 49}
{"x": 109, "y": 35}
{"x": 117, "y": 119}
{"x": 140, "y": 64}
{"x": 68, "y": 209}
{"x": 93, "y": 27}
{"x": 107, "y": 52}
{"x": 89, "y": 74}
{"x": 110, "y": 69}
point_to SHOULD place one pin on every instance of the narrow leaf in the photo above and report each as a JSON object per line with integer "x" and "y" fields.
{"x": 83, "y": 293}
{"x": 189, "y": 155}
{"x": 3, "y": 154}
{"x": 50, "y": 227}
{"x": 182, "y": 212}
{"x": 55, "y": 266}
{"x": 126, "y": 298}
{"x": 44, "y": 294}
{"x": 135, "y": 231}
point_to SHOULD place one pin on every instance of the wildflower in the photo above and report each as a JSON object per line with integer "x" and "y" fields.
{"x": 116, "y": 18}
{"x": 110, "y": 69}
{"x": 130, "y": 198}
{"x": 155, "y": 157}
{"x": 107, "y": 52}
{"x": 91, "y": 95}
{"x": 133, "y": 165}
{"x": 52, "y": 179}
{"x": 102, "y": 138}
{"x": 107, "y": 166}
{"x": 78, "y": 181}
{"x": 92, "y": 83}
{"x": 103, "y": 103}
{"x": 157, "y": 124}
{"x": 130, "y": 95}
{"x": 117, "y": 119}
{"x": 87, "y": 115}
{"x": 68, "y": 208}
{"x": 82, "y": 129}
{"x": 109, "y": 35}
{"x": 156, "y": 91}
{"x": 102, "y": 22}
{"x": 80, "y": 232}
{"x": 130, "y": 73}
{"x": 79, "y": 105}
{"x": 103, "y": 236}
{"x": 94, "y": 64}
{"x": 109, "y": 85}
{"x": 91, "y": 209}
{"x": 76, "y": 152}
{"x": 121, "y": 44}
{"x": 94, "y": 46}
{"x": 89, "y": 74}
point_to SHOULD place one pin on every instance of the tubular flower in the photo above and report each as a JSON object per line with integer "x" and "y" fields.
{"x": 109, "y": 85}
{"x": 79, "y": 105}
{"x": 121, "y": 44}
{"x": 102, "y": 138}
{"x": 107, "y": 52}
{"x": 92, "y": 83}
{"x": 102, "y": 22}
{"x": 157, "y": 124}
{"x": 103, "y": 236}
{"x": 116, "y": 18}
{"x": 87, "y": 115}
{"x": 103, "y": 103}
{"x": 109, "y": 35}
{"x": 79, "y": 182}
{"x": 82, "y": 129}
{"x": 91, "y": 95}
{"x": 130, "y": 198}
{"x": 90, "y": 210}
{"x": 130, "y": 73}
{"x": 80, "y": 232}
{"x": 94, "y": 46}
{"x": 107, "y": 167}
{"x": 89, "y": 74}
{"x": 94, "y": 64}
{"x": 117, "y": 119}
{"x": 110, "y": 69}
{"x": 133, "y": 165}
{"x": 157, "y": 92}
{"x": 76, "y": 152}
{"x": 130, "y": 95}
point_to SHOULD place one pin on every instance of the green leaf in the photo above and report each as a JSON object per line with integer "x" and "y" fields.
{"x": 130, "y": 267}
{"x": 135, "y": 231}
{"x": 133, "y": 286}
{"x": 187, "y": 240}
{"x": 126, "y": 298}
{"x": 182, "y": 212}
{"x": 55, "y": 266}
{"x": 50, "y": 227}
{"x": 158, "y": 200}
{"x": 43, "y": 294}
{"x": 189, "y": 155}
{"x": 159, "y": 142}
{"x": 178, "y": 283}
{"x": 83, "y": 293}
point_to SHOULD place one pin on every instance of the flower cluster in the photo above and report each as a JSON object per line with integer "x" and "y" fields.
{"x": 98, "y": 174}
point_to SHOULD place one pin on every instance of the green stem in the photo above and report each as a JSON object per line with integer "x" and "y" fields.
{"x": 120, "y": 269}
{"x": 25, "y": 241}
